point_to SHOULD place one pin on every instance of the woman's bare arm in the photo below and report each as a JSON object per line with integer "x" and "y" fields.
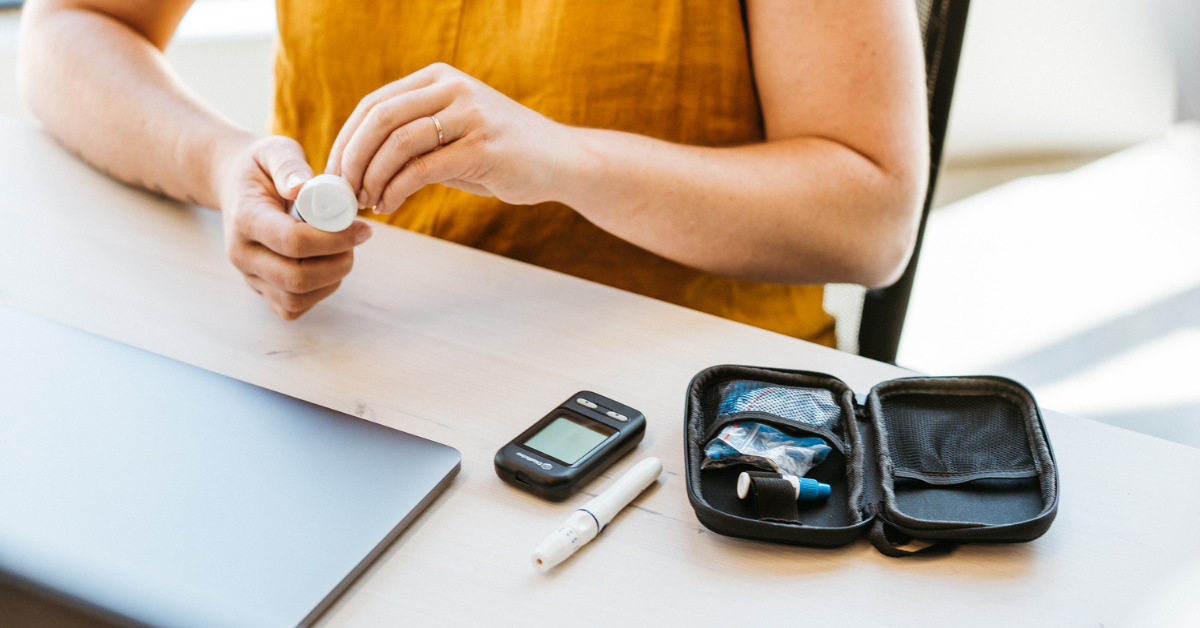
{"x": 94, "y": 73}
{"x": 833, "y": 195}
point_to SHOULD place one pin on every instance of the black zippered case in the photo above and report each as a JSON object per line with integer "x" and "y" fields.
{"x": 941, "y": 459}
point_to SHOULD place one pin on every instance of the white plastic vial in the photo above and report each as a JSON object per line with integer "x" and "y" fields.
{"x": 326, "y": 202}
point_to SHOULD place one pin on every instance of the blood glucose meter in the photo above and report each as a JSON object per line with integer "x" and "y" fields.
{"x": 569, "y": 447}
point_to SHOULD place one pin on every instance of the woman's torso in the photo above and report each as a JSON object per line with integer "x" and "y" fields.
{"x": 675, "y": 70}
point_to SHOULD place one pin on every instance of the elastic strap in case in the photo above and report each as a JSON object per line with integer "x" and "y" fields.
{"x": 774, "y": 497}
{"x": 885, "y": 538}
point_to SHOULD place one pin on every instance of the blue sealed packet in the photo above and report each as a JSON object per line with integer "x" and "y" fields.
{"x": 765, "y": 447}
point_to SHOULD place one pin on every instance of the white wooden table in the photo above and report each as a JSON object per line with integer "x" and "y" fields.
{"x": 467, "y": 349}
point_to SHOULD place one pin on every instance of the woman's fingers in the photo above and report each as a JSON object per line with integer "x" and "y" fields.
{"x": 493, "y": 145}
{"x": 286, "y": 305}
{"x": 444, "y": 165}
{"x": 283, "y": 160}
{"x": 404, "y": 144}
{"x": 288, "y": 237}
{"x": 386, "y": 120}
{"x": 294, "y": 276}
{"x": 417, "y": 80}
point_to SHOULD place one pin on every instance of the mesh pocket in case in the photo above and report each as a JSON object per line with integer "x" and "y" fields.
{"x": 963, "y": 457}
{"x": 943, "y": 459}
{"x": 812, "y": 410}
{"x": 947, "y": 439}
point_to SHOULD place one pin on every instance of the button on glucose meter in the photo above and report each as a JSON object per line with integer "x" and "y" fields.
{"x": 585, "y": 403}
{"x": 326, "y": 202}
{"x": 617, "y": 415}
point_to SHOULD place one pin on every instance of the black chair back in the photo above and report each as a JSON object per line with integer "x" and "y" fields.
{"x": 884, "y": 309}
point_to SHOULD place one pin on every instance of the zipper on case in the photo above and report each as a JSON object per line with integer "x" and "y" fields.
{"x": 860, "y": 407}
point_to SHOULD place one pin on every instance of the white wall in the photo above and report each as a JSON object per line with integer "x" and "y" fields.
{"x": 10, "y": 102}
{"x": 224, "y": 50}
{"x": 1060, "y": 76}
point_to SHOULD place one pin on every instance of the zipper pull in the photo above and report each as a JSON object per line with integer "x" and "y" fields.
{"x": 860, "y": 407}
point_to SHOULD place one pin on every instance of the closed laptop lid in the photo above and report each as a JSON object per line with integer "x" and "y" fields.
{"x": 168, "y": 495}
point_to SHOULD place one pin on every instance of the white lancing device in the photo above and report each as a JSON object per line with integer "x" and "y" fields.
{"x": 584, "y": 524}
{"x": 326, "y": 202}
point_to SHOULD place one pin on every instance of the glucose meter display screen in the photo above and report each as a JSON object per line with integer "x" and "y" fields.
{"x": 567, "y": 439}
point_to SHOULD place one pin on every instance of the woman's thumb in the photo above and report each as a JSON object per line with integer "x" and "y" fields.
{"x": 285, "y": 162}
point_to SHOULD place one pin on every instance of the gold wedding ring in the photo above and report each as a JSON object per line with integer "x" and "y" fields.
{"x": 437, "y": 124}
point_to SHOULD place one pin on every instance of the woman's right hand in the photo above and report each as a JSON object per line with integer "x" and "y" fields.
{"x": 292, "y": 265}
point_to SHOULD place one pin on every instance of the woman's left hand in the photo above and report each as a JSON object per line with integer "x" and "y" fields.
{"x": 491, "y": 145}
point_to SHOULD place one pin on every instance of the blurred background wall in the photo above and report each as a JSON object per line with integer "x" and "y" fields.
{"x": 1045, "y": 86}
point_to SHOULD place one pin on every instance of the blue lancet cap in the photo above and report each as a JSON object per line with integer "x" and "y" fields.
{"x": 811, "y": 489}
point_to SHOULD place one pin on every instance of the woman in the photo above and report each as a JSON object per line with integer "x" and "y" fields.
{"x": 721, "y": 159}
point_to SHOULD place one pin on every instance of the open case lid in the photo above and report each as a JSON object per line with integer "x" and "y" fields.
{"x": 961, "y": 458}
{"x": 956, "y": 459}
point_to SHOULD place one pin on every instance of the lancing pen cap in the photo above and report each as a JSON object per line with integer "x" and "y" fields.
{"x": 326, "y": 202}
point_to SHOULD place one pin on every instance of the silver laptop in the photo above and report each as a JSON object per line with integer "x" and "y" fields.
{"x": 157, "y": 493}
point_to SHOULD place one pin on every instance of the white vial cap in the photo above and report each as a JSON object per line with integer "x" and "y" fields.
{"x": 326, "y": 202}
{"x": 743, "y": 485}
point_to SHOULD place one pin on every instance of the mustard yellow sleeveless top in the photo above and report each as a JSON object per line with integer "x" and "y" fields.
{"x": 677, "y": 70}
